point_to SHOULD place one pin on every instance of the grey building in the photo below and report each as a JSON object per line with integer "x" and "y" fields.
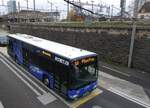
{"x": 34, "y": 16}
{"x": 11, "y": 6}
{"x": 141, "y": 3}
{"x": 144, "y": 12}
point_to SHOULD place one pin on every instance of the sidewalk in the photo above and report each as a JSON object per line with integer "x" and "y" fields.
{"x": 124, "y": 89}
{"x": 129, "y": 83}
{"x": 141, "y": 75}
{"x": 3, "y": 50}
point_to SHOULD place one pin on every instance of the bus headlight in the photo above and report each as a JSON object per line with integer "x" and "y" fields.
{"x": 94, "y": 86}
{"x": 74, "y": 96}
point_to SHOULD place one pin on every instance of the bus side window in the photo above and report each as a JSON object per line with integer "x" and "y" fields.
{"x": 10, "y": 45}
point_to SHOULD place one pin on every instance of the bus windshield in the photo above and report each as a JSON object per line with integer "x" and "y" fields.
{"x": 84, "y": 75}
{"x": 87, "y": 72}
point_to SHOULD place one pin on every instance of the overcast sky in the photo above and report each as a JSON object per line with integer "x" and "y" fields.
{"x": 42, "y": 4}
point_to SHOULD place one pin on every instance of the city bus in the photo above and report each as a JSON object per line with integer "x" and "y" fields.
{"x": 71, "y": 72}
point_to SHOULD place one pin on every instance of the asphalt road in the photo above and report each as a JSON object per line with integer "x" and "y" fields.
{"x": 18, "y": 91}
{"x": 110, "y": 100}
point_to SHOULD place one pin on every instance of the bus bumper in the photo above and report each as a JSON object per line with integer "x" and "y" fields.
{"x": 73, "y": 94}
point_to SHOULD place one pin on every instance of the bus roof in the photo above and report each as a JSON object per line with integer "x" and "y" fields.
{"x": 53, "y": 47}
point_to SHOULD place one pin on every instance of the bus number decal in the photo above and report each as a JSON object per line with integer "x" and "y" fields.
{"x": 62, "y": 61}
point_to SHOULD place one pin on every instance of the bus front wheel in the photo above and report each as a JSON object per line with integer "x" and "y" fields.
{"x": 46, "y": 81}
{"x": 16, "y": 60}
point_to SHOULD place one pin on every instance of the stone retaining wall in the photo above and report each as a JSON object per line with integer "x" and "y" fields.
{"x": 112, "y": 45}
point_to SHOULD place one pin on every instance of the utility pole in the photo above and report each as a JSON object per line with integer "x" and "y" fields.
{"x": 112, "y": 10}
{"x": 136, "y": 3}
{"x": 92, "y": 9}
{"x": 68, "y": 10}
{"x": 51, "y": 9}
{"x": 18, "y": 6}
{"x": 34, "y": 4}
{"x": 27, "y": 4}
{"x": 18, "y": 11}
{"x": 92, "y": 6}
{"x": 80, "y": 5}
{"x": 56, "y": 12}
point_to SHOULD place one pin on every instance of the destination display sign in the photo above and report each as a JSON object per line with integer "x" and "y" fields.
{"x": 85, "y": 61}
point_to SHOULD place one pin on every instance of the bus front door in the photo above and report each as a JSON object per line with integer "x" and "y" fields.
{"x": 17, "y": 48}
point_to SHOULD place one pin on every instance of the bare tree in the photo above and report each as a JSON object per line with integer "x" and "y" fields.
{"x": 130, "y": 8}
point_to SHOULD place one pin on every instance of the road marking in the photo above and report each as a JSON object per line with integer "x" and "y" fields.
{"x": 21, "y": 78}
{"x": 25, "y": 76}
{"x": 96, "y": 106}
{"x": 46, "y": 98}
{"x": 83, "y": 100}
{"x": 142, "y": 103}
{"x": 1, "y": 105}
{"x": 116, "y": 71}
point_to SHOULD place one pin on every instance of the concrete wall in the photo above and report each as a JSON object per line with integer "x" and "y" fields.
{"x": 112, "y": 45}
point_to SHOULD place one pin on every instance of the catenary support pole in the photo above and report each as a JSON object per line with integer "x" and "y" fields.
{"x": 136, "y": 2}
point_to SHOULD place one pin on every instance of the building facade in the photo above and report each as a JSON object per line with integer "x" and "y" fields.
{"x": 144, "y": 12}
{"x": 11, "y": 4}
{"x": 141, "y": 3}
{"x": 34, "y": 16}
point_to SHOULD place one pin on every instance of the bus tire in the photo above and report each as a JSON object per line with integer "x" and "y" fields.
{"x": 16, "y": 60}
{"x": 46, "y": 81}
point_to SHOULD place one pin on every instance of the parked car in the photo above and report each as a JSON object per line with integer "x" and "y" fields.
{"x": 3, "y": 40}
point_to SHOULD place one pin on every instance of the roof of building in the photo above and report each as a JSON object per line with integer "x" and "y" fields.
{"x": 53, "y": 47}
{"x": 145, "y": 8}
{"x": 33, "y": 14}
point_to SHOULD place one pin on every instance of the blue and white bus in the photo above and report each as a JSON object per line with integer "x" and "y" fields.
{"x": 69, "y": 71}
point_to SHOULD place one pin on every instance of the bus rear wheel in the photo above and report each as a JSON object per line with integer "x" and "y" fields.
{"x": 46, "y": 81}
